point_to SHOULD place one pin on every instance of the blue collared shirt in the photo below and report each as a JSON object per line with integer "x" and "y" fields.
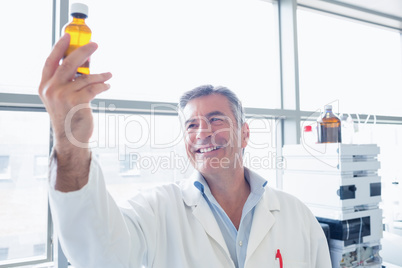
{"x": 236, "y": 240}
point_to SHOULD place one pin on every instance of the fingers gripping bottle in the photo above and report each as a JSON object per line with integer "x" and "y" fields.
{"x": 329, "y": 127}
{"x": 80, "y": 34}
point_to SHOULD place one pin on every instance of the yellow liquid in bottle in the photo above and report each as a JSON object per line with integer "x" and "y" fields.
{"x": 80, "y": 35}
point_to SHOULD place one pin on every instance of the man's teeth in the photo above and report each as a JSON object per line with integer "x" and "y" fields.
{"x": 206, "y": 150}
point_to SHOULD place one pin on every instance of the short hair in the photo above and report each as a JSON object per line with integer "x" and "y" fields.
{"x": 206, "y": 90}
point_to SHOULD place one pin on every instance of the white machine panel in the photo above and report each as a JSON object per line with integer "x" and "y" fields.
{"x": 337, "y": 192}
{"x": 341, "y": 186}
{"x": 331, "y": 150}
{"x": 331, "y": 158}
{"x": 329, "y": 165}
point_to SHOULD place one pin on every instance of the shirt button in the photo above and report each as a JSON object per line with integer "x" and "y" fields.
{"x": 240, "y": 243}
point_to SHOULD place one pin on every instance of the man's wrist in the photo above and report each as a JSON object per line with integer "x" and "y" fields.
{"x": 73, "y": 164}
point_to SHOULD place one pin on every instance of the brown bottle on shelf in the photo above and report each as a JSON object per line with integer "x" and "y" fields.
{"x": 329, "y": 127}
{"x": 80, "y": 33}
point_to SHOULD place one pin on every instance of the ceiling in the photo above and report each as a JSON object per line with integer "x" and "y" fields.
{"x": 388, "y": 7}
{"x": 386, "y": 13}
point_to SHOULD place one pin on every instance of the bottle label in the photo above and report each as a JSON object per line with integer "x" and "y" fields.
{"x": 330, "y": 133}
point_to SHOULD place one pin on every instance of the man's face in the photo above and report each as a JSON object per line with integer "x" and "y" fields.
{"x": 213, "y": 139}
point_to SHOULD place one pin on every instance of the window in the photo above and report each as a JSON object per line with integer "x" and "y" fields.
{"x": 138, "y": 151}
{"x": 23, "y": 199}
{"x": 24, "y": 137}
{"x": 26, "y": 42}
{"x": 129, "y": 165}
{"x": 355, "y": 64}
{"x": 4, "y": 167}
{"x": 358, "y": 68}
{"x": 158, "y": 49}
{"x": 41, "y": 163}
{"x": 260, "y": 154}
{"x": 389, "y": 139}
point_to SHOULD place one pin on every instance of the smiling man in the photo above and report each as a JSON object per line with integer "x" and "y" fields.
{"x": 212, "y": 131}
{"x": 225, "y": 215}
{"x": 215, "y": 136}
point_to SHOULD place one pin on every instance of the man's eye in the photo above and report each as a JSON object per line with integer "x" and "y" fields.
{"x": 216, "y": 119}
{"x": 191, "y": 126}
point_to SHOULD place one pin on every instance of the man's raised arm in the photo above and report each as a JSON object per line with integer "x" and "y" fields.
{"x": 67, "y": 100}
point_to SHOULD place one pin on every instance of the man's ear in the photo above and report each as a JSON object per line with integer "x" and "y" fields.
{"x": 245, "y": 135}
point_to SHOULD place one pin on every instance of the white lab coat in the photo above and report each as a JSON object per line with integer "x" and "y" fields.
{"x": 172, "y": 226}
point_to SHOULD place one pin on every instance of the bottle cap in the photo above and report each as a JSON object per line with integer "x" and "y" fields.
{"x": 328, "y": 107}
{"x": 307, "y": 129}
{"x": 79, "y": 8}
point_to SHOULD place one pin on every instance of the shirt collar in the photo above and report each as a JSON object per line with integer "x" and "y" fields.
{"x": 257, "y": 184}
{"x": 192, "y": 196}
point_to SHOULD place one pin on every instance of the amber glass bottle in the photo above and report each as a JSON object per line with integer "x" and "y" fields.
{"x": 329, "y": 127}
{"x": 80, "y": 34}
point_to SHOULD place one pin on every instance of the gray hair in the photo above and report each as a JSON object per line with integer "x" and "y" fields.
{"x": 206, "y": 90}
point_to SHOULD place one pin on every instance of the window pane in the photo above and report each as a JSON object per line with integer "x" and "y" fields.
{"x": 5, "y": 167}
{"x": 357, "y": 65}
{"x": 260, "y": 154}
{"x": 26, "y": 42}
{"x": 137, "y": 151}
{"x": 389, "y": 139}
{"x": 24, "y": 146}
{"x": 158, "y": 49}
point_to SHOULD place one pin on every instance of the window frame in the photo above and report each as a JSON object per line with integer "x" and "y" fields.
{"x": 29, "y": 103}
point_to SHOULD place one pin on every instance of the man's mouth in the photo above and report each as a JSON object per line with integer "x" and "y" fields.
{"x": 207, "y": 150}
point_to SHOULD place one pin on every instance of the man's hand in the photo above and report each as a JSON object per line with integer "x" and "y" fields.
{"x": 67, "y": 100}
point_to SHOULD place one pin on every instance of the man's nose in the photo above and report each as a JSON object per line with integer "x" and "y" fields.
{"x": 204, "y": 130}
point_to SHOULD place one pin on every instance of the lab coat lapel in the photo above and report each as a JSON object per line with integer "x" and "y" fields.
{"x": 205, "y": 216}
{"x": 201, "y": 211}
{"x": 263, "y": 220}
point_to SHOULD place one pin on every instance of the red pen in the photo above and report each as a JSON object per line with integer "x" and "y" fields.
{"x": 279, "y": 256}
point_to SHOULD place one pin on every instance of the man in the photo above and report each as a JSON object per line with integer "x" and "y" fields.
{"x": 224, "y": 216}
